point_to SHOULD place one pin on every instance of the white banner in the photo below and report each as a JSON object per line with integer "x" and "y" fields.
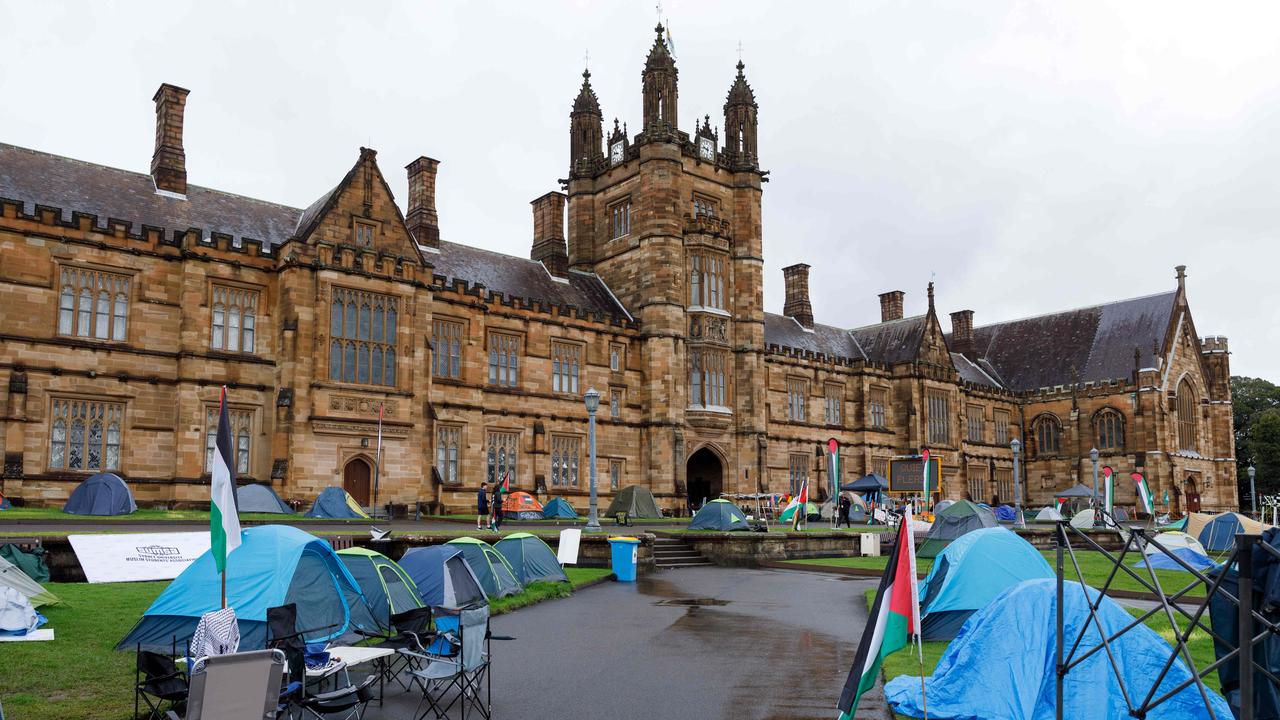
{"x": 134, "y": 557}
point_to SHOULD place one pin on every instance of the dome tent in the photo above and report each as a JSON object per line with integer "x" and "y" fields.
{"x": 521, "y": 505}
{"x": 558, "y": 508}
{"x": 719, "y": 514}
{"x": 960, "y": 518}
{"x": 636, "y": 501}
{"x": 531, "y": 558}
{"x": 334, "y": 502}
{"x": 1048, "y": 513}
{"x": 491, "y": 569}
{"x": 443, "y": 576}
{"x": 274, "y": 565}
{"x": 259, "y": 498}
{"x": 1218, "y": 532}
{"x": 387, "y": 589}
{"x": 12, "y": 577}
{"x": 969, "y": 573}
{"x": 101, "y": 494}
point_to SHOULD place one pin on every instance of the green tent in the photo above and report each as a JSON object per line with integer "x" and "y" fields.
{"x": 387, "y": 588}
{"x": 531, "y": 558}
{"x": 11, "y": 576}
{"x": 958, "y": 519}
{"x": 30, "y": 562}
{"x": 719, "y": 514}
{"x": 812, "y": 512}
{"x": 635, "y": 501}
{"x": 492, "y": 570}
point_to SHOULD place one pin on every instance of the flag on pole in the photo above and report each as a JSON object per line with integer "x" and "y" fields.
{"x": 1062, "y": 506}
{"x": 224, "y": 523}
{"x": 926, "y": 503}
{"x": 377, "y": 465}
{"x": 1108, "y": 489}
{"x": 802, "y": 505}
{"x": 915, "y": 582}
{"x": 1144, "y": 493}
{"x": 890, "y": 626}
{"x": 833, "y": 474}
{"x": 1166, "y": 497}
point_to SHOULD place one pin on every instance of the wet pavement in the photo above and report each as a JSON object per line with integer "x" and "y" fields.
{"x": 690, "y": 643}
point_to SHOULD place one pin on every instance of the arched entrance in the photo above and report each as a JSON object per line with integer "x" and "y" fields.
{"x": 357, "y": 480}
{"x": 705, "y": 477}
{"x": 1192, "y": 495}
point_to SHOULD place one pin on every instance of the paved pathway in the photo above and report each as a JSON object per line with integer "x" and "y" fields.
{"x": 777, "y": 648}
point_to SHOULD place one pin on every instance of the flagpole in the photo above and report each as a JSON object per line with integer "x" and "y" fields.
{"x": 377, "y": 463}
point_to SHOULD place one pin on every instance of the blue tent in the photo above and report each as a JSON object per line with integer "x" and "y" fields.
{"x": 972, "y": 571}
{"x": 1160, "y": 561}
{"x": 975, "y": 679}
{"x": 1006, "y": 513}
{"x": 1219, "y": 534}
{"x": 101, "y": 494}
{"x": 531, "y": 559}
{"x": 260, "y": 499}
{"x": 443, "y": 577}
{"x": 274, "y": 565}
{"x": 334, "y": 502}
{"x": 719, "y": 514}
{"x": 558, "y": 509}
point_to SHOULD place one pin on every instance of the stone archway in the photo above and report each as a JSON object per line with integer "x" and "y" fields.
{"x": 357, "y": 479}
{"x": 704, "y": 475}
{"x": 1191, "y": 494}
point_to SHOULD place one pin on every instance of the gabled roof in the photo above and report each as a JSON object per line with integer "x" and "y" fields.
{"x": 888, "y": 343}
{"x": 824, "y": 339}
{"x": 37, "y": 178}
{"x": 892, "y": 342}
{"x": 521, "y": 277}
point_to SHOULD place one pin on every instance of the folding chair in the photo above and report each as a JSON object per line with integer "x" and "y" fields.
{"x": 412, "y": 632}
{"x": 465, "y": 672}
{"x": 157, "y": 682}
{"x": 235, "y": 687}
{"x": 284, "y": 637}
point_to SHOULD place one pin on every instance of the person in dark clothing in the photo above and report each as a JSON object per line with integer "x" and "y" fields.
{"x": 842, "y": 510}
{"x": 482, "y": 507}
{"x": 496, "y": 507}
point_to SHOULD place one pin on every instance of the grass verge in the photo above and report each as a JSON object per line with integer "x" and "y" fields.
{"x": 55, "y": 515}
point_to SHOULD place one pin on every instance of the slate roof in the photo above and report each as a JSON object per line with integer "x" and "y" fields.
{"x": 785, "y": 332}
{"x": 1097, "y": 342}
{"x": 891, "y": 342}
{"x": 36, "y": 178}
{"x": 522, "y": 277}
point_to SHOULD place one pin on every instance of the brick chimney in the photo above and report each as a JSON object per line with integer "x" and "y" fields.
{"x": 797, "y": 304}
{"x": 548, "y": 233}
{"x": 422, "y": 219}
{"x": 891, "y": 305}
{"x": 169, "y": 162}
{"x": 962, "y": 333}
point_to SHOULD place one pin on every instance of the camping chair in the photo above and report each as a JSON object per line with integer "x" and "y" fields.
{"x": 157, "y": 681}
{"x": 622, "y": 518}
{"x": 283, "y": 635}
{"x": 412, "y": 632}
{"x": 464, "y": 672}
{"x": 235, "y": 686}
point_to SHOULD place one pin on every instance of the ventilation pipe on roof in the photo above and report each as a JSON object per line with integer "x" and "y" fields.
{"x": 548, "y": 233}
{"x": 891, "y": 305}
{"x": 422, "y": 219}
{"x": 797, "y": 304}
{"x": 169, "y": 161}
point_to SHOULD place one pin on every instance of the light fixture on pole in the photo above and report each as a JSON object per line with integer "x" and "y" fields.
{"x": 1016, "y": 446}
{"x": 1253, "y": 492}
{"x": 1093, "y": 457}
{"x": 592, "y": 400}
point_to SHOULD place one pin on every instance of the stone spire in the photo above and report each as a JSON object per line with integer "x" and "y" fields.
{"x": 586, "y": 131}
{"x": 740, "y": 123}
{"x": 659, "y": 83}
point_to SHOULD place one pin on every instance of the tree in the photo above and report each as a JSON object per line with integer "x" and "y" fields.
{"x": 1250, "y": 399}
{"x": 1264, "y": 449}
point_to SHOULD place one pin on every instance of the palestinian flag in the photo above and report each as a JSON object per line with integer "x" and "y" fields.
{"x": 890, "y": 626}
{"x": 926, "y": 501}
{"x": 1108, "y": 489}
{"x": 1144, "y": 493}
{"x": 224, "y": 523}
{"x": 1062, "y": 506}
{"x": 802, "y": 506}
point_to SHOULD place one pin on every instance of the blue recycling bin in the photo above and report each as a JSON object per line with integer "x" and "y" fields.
{"x": 624, "y": 552}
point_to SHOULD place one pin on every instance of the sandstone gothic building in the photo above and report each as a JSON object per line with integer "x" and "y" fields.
{"x": 129, "y": 299}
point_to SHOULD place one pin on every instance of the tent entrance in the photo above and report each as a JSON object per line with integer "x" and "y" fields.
{"x": 705, "y": 477}
{"x": 356, "y": 480}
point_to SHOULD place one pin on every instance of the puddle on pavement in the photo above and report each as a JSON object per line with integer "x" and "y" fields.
{"x": 693, "y": 602}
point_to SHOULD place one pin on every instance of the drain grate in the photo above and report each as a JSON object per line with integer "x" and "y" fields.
{"x": 693, "y": 602}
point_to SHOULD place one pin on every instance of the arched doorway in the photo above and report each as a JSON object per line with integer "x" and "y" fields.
{"x": 705, "y": 477}
{"x": 357, "y": 480}
{"x": 1192, "y": 495}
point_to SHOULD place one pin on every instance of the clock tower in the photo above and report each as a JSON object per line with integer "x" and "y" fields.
{"x": 671, "y": 222}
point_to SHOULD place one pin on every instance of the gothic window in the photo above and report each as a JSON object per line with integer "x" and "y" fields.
{"x": 1187, "y": 404}
{"x": 939, "y": 418}
{"x": 615, "y": 403}
{"x": 615, "y": 474}
{"x": 235, "y": 319}
{"x": 362, "y": 348}
{"x": 880, "y": 466}
{"x": 446, "y": 349}
{"x": 93, "y": 304}
{"x": 797, "y": 399}
{"x": 362, "y": 232}
{"x": 799, "y": 463}
{"x": 832, "y": 401}
{"x": 1110, "y": 427}
{"x": 566, "y": 361}
{"x": 1048, "y": 431}
{"x": 84, "y": 435}
{"x": 617, "y": 358}
{"x": 620, "y": 219}
{"x": 704, "y": 207}
{"x": 501, "y": 456}
{"x": 1002, "y": 426}
{"x": 1004, "y": 485}
{"x": 565, "y": 456}
{"x": 448, "y": 438}
{"x": 975, "y": 424}
{"x": 877, "y": 399}
{"x": 977, "y": 485}
{"x": 707, "y": 378}
{"x": 241, "y": 437}
{"x": 504, "y": 359}
{"x": 706, "y": 280}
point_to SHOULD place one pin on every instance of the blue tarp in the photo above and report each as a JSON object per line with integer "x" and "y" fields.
{"x": 1219, "y": 535}
{"x": 101, "y": 494}
{"x": 334, "y": 502}
{"x": 1001, "y": 665}
{"x": 558, "y": 509}
{"x": 1160, "y": 561}
{"x": 1006, "y": 513}
{"x": 970, "y": 573}
{"x": 274, "y": 565}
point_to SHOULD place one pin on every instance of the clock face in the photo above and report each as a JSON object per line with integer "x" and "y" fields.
{"x": 705, "y": 149}
{"x": 615, "y": 153}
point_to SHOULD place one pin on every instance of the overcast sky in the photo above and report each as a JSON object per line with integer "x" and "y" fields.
{"x": 1036, "y": 156}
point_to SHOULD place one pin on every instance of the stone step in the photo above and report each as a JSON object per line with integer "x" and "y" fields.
{"x": 684, "y": 557}
{"x": 701, "y": 562}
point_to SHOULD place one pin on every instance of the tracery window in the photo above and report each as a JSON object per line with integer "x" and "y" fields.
{"x": 1048, "y": 432}
{"x": 362, "y": 345}
{"x": 234, "y": 319}
{"x": 93, "y": 304}
{"x": 1110, "y": 427}
{"x": 85, "y": 435}
{"x": 241, "y": 437}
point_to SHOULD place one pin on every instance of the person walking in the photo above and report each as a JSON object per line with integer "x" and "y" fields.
{"x": 496, "y": 507}
{"x": 842, "y": 507}
{"x": 482, "y": 506}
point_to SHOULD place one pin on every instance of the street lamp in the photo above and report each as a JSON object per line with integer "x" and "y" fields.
{"x": 592, "y": 400}
{"x": 1093, "y": 456}
{"x": 1016, "y": 447}
{"x": 1253, "y": 493}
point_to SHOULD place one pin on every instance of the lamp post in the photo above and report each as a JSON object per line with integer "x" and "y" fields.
{"x": 1253, "y": 493}
{"x": 1093, "y": 457}
{"x": 592, "y": 400}
{"x": 1016, "y": 447}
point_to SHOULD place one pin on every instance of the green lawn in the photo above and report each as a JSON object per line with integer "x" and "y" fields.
{"x": 56, "y": 515}
{"x": 79, "y": 675}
